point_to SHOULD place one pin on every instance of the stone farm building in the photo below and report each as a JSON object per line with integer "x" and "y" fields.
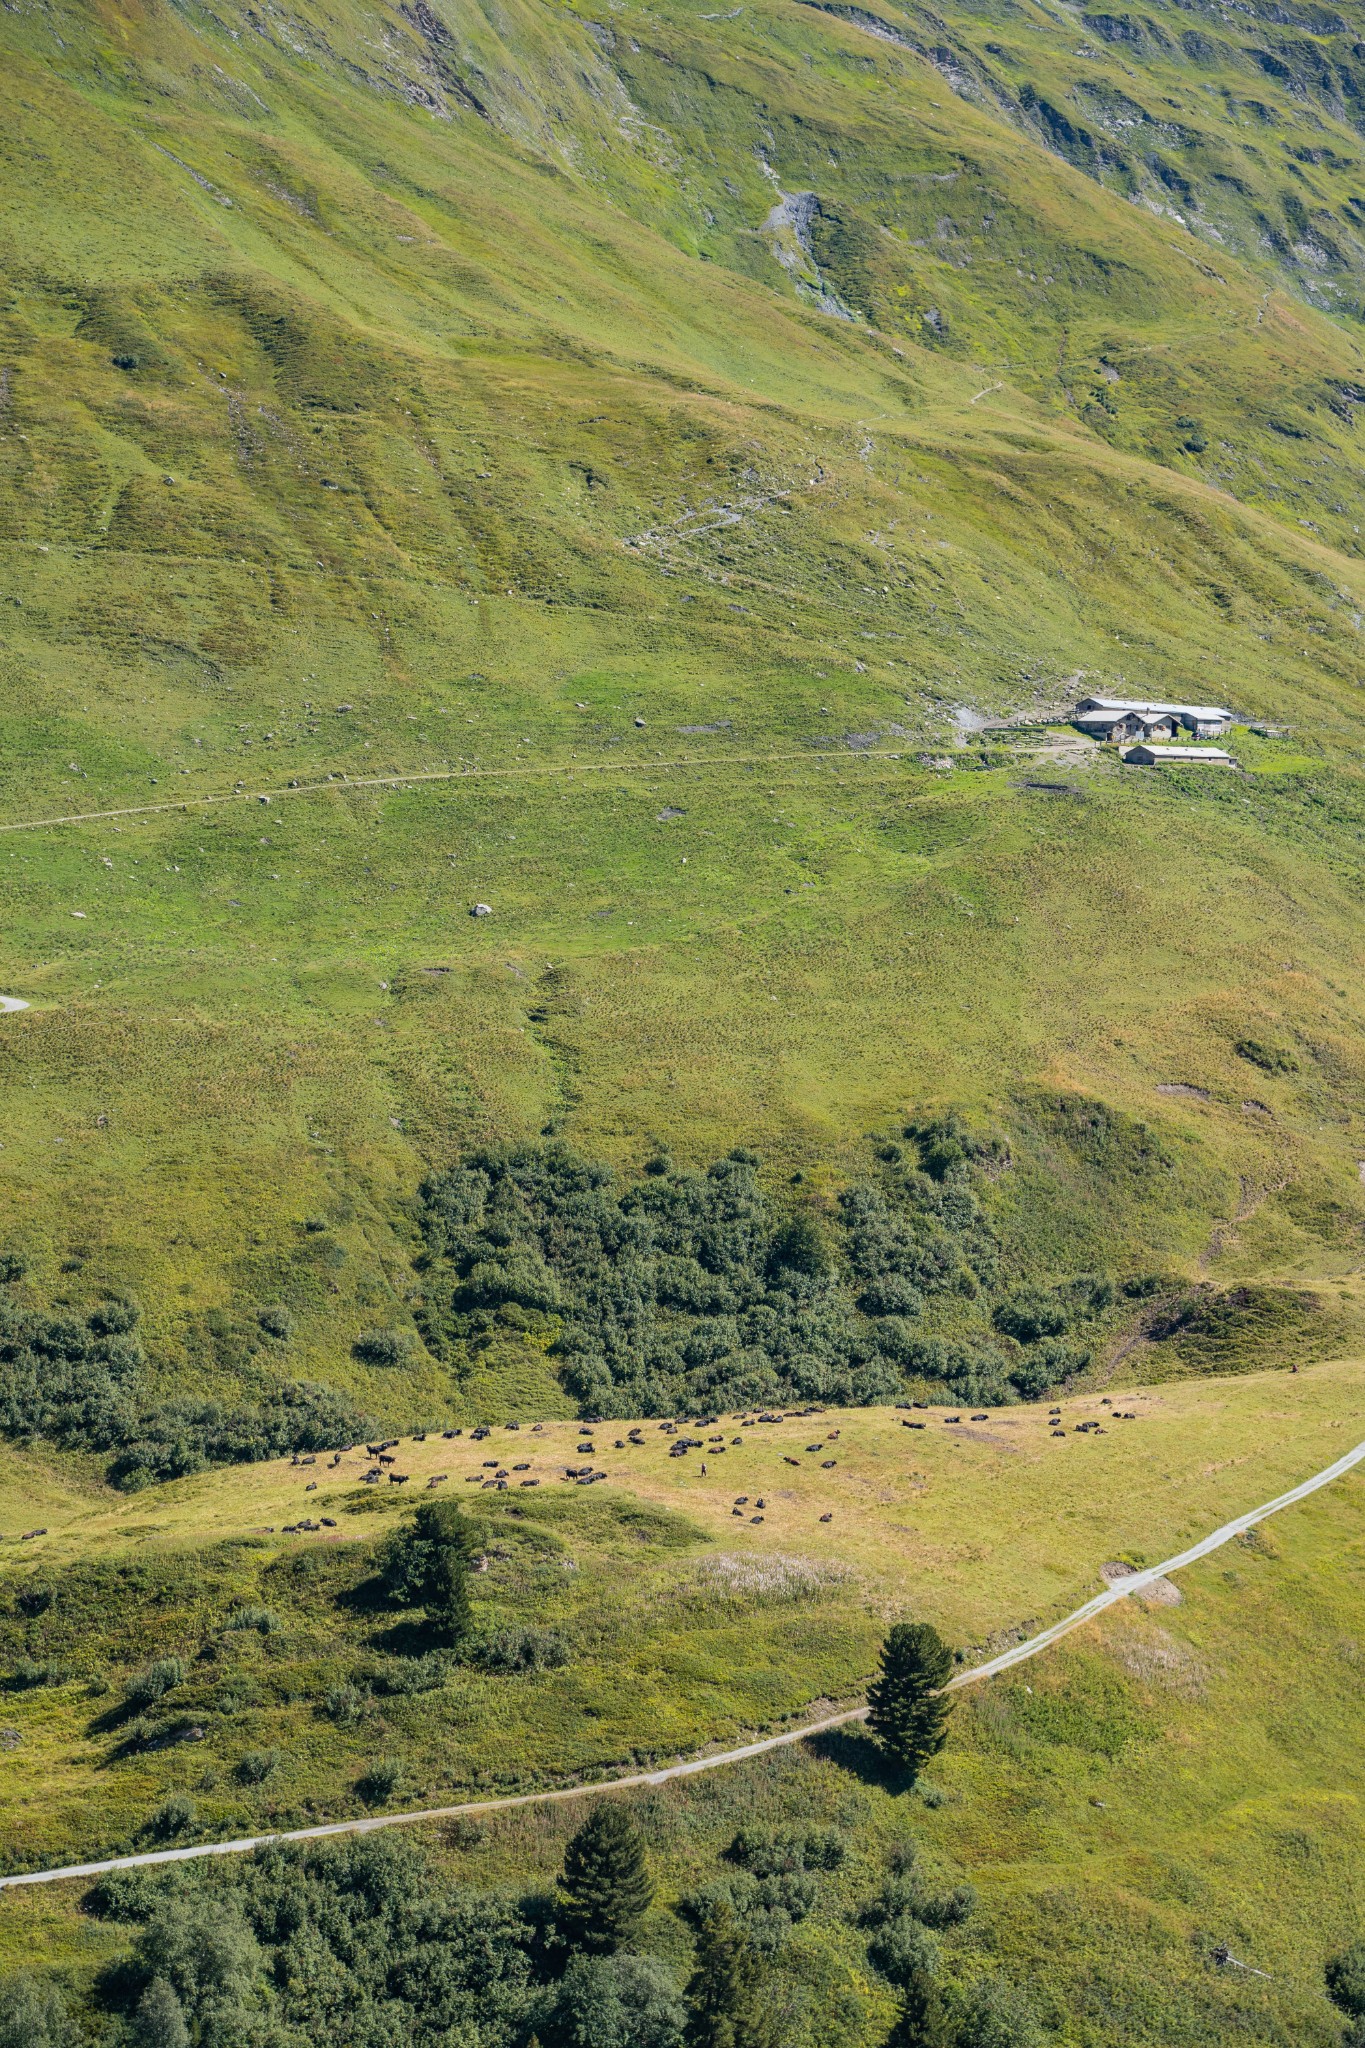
{"x": 1145, "y": 755}
{"x": 1117, "y": 719}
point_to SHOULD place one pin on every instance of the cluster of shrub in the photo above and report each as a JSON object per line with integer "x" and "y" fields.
{"x": 365, "y": 1942}
{"x": 692, "y": 1290}
{"x": 80, "y": 1383}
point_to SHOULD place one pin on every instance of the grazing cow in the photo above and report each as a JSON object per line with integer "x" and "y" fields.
{"x": 530, "y": 1482}
{"x": 755, "y": 1518}
{"x": 791, "y": 1461}
{"x": 826, "y": 1518}
{"x": 828, "y": 1464}
{"x": 327, "y": 1522}
{"x": 448, "y": 1433}
{"x": 981, "y": 1418}
{"x": 311, "y": 1487}
{"x": 1059, "y": 1432}
{"x": 760, "y": 1503}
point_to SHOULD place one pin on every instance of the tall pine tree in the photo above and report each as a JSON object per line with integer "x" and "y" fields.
{"x": 906, "y": 1708}
{"x": 729, "y": 1997}
{"x": 605, "y": 1885}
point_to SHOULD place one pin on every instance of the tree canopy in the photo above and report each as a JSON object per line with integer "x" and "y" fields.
{"x": 426, "y": 1564}
{"x": 907, "y": 1711}
{"x": 605, "y": 1885}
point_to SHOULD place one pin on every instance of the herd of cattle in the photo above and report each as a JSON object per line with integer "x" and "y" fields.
{"x": 686, "y": 1437}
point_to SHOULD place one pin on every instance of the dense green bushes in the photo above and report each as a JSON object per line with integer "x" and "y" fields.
{"x": 364, "y": 1942}
{"x": 78, "y": 1384}
{"x": 694, "y": 1290}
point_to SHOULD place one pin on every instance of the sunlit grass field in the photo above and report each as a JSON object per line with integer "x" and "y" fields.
{"x": 1174, "y": 1777}
{"x": 687, "y": 1622}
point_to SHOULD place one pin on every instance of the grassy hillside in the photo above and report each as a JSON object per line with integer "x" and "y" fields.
{"x": 452, "y": 407}
{"x": 660, "y": 1617}
{"x": 663, "y": 479}
{"x": 1178, "y": 1776}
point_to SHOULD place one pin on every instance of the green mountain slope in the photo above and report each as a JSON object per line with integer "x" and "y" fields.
{"x": 388, "y": 392}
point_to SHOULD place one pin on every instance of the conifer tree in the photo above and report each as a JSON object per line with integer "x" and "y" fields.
{"x": 427, "y": 1565}
{"x": 729, "y": 1997}
{"x": 906, "y": 1709}
{"x": 605, "y": 1884}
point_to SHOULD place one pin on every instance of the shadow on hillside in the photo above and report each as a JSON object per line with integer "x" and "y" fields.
{"x": 411, "y": 1637}
{"x": 855, "y": 1751}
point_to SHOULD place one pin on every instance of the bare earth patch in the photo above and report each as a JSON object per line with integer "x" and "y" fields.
{"x": 1160, "y": 1593}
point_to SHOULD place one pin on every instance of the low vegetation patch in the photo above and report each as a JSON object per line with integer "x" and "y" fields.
{"x": 80, "y": 1383}
{"x": 689, "y": 1291}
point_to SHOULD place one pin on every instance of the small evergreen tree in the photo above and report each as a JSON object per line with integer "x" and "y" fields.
{"x": 427, "y": 1565}
{"x": 605, "y": 1884}
{"x": 907, "y": 1955}
{"x": 729, "y": 1996}
{"x": 923, "y": 2020}
{"x": 907, "y": 1711}
{"x": 160, "y": 2019}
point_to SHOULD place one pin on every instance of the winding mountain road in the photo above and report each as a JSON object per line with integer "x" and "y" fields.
{"x": 1137, "y": 1582}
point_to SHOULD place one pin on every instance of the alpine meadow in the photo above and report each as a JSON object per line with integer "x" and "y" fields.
{"x": 682, "y": 1083}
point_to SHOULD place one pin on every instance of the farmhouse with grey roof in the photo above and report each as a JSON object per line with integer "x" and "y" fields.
{"x": 1125, "y": 718}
